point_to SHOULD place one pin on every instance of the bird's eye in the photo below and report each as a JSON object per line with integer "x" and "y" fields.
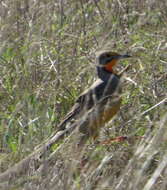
{"x": 108, "y": 55}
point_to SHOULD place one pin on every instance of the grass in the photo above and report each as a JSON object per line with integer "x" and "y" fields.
{"x": 47, "y": 55}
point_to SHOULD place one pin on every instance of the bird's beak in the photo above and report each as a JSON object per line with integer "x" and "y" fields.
{"x": 124, "y": 56}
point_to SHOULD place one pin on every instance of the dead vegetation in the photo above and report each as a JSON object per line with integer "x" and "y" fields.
{"x": 47, "y": 53}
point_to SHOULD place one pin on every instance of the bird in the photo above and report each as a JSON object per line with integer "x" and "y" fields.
{"x": 107, "y": 86}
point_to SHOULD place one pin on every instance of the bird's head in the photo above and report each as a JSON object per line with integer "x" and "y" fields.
{"x": 107, "y": 60}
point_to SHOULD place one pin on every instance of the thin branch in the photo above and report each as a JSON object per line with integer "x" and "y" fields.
{"x": 159, "y": 103}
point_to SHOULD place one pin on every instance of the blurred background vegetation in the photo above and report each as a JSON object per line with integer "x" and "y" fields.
{"x": 47, "y": 58}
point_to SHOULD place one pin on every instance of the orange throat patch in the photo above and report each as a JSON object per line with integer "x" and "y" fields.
{"x": 109, "y": 66}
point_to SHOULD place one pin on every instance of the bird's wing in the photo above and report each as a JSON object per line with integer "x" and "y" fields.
{"x": 70, "y": 115}
{"x": 78, "y": 106}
